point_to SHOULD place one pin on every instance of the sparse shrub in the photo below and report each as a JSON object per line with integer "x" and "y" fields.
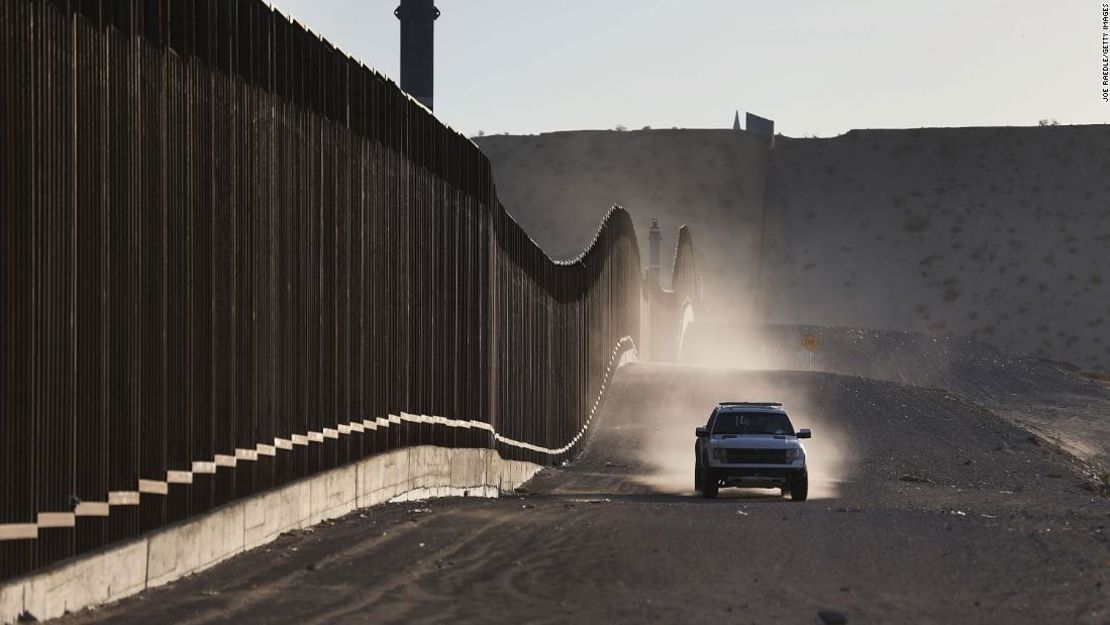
{"x": 916, "y": 223}
{"x": 951, "y": 294}
{"x": 938, "y": 326}
{"x": 1102, "y": 478}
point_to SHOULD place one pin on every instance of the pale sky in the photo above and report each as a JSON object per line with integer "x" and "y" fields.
{"x": 815, "y": 67}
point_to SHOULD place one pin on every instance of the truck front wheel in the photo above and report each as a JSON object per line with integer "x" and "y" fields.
{"x": 708, "y": 484}
{"x": 799, "y": 486}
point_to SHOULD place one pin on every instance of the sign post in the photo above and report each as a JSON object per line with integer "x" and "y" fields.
{"x": 809, "y": 344}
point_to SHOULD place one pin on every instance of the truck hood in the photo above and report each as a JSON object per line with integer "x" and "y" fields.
{"x": 753, "y": 441}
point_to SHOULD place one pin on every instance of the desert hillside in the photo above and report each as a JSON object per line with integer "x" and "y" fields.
{"x": 559, "y": 186}
{"x": 1002, "y": 234}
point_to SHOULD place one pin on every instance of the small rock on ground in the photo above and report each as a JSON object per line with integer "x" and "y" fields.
{"x": 832, "y": 617}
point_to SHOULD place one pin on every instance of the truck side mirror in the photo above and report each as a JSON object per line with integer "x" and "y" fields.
{"x": 804, "y": 433}
{"x": 700, "y": 432}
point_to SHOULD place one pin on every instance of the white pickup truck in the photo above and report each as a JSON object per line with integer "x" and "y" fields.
{"x": 750, "y": 445}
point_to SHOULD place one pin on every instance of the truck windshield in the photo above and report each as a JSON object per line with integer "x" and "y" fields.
{"x": 752, "y": 423}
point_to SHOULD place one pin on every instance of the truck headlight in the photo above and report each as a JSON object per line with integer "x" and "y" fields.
{"x": 720, "y": 455}
{"x": 794, "y": 455}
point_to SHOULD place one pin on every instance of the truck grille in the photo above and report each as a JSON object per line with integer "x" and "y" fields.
{"x": 756, "y": 456}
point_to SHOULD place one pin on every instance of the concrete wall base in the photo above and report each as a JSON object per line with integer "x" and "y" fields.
{"x": 173, "y": 552}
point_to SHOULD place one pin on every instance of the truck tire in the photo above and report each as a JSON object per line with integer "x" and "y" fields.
{"x": 708, "y": 484}
{"x": 799, "y": 486}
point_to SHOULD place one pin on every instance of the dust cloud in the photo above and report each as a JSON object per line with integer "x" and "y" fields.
{"x": 671, "y": 400}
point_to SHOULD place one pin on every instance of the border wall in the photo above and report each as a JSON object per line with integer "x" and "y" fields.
{"x": 233, "y": 258}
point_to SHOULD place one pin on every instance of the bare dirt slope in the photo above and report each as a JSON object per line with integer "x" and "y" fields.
{"x": 559, "y": 186}
{"x": 925, "y": 509}
{"x": 1001, "y": 234}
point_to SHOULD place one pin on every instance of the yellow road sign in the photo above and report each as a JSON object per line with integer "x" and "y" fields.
{"x": 809, "y": 341}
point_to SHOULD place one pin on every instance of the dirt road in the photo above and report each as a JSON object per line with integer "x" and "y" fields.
{"x": 924, "y": 509}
